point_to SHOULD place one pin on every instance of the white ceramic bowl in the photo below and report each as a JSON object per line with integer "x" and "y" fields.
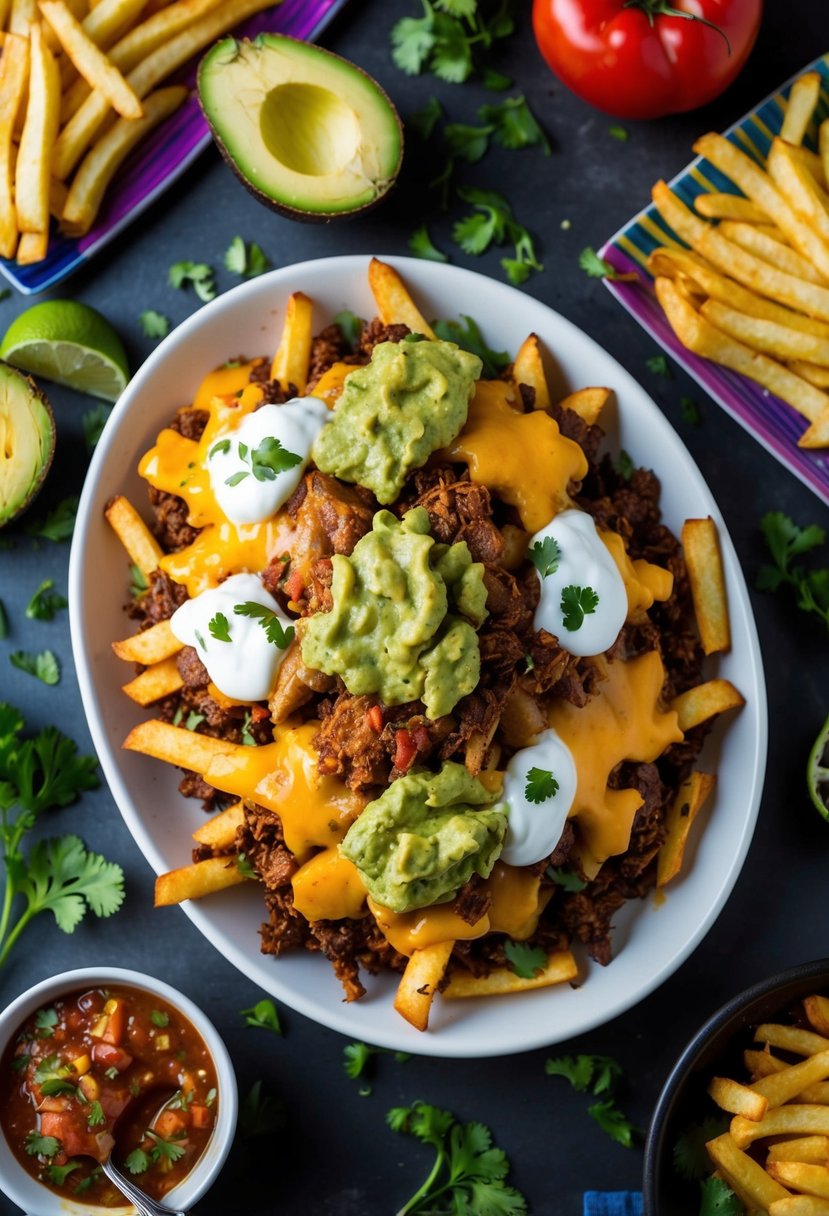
{"x": 34, "y": 1197}
{"x": 650, "y": 941}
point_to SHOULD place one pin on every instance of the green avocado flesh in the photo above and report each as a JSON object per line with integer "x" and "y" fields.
{"x": 27, "y": 441}
{"x": 425, "y": 836}
{"x": 307, "y": 132}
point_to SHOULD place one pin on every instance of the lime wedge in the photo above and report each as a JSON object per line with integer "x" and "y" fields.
{"x": 70, "y": 343}
{"x": 817, "y": 774}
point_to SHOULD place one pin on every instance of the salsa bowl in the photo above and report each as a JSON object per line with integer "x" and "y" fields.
{"x": 650, "y": 941}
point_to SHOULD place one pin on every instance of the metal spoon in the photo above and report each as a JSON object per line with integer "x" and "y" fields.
{"x": 142, "y": 1203}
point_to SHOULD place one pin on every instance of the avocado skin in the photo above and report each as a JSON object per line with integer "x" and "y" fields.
{"x": 46, "y": 427}
{"x": 275, "y": 204}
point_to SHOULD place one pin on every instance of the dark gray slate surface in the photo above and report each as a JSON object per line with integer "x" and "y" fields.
{"x": 335, "y": 1156}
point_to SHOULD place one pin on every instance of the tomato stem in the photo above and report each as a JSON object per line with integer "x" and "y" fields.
{"x": 661, "y": 8}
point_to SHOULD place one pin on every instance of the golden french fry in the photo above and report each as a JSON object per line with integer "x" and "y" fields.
{"x": 813, "y": 163}
{"x": 807, "y": 1118}
{"x": 31, "y": 187}
{"x": 197, "y": 880}
{"x": 101, "y": 163}
{"x": 751, "y": 1177}
{"x": 419, "y": 983}
{"x": 782, "y": 1086}
{"x": 762, "y": 1063}
{"x": 801, "y": 1176}
{"x": 690, "y": 798}
{"x": 798, "y": 187}
{"x": 800, "y": 106}
{"x": 14, "y": 74}
{"x": 5, "y": 9}
{"x": 32, "y": 247}
{"x": 757, "y": 240}
{"x": 588, "y": 403}
{"x": 749, "y": 270}
{"x": 290, "y": 363}
{"x": 701, "y": 546}
{"x": 819, "y": 376}
{"x": 560, "y": 968}
{"x": 90, "y": 61}
{"x": 159, "y": 680}
{"x": 716, "y": 206}
{"x": 705, "y": 339}
{"x": 767, "y": 336}
{"x": 220, "y": 831}
{"x": 528, "y": 369}
{"x": 791, "y": 1038}
{"x": 737, "y": 1099}
{"x": 85, "y": 123}
{"x": 394, "y": 303}
{"x": 110, "y": 19}
{"x": 670, "y": 261}
{"x": 152, "y": 645}
{"x": 758, "y": 185}
{"x": 816, "y": 1009}
{"x": 817, "y": 435}
{"x": 57, "y": 198}
{"x": 814, "y": 1149}
{"x": 186, "y": 748}
{"x": 141, "y": 546}
{"x": 703, "y": 701}
{"x": 800, "y": 1205}
{"x": 23, "y": 14}
{"x": 823, "y": 145}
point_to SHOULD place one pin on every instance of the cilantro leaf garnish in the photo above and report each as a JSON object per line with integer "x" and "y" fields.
{"x": 137, "y": 1162}
{"x": 689, "y": 411}
{"x": 514, "y": 125}
{"x": 526, "y": 961}
{"x": 564, "y": 877}
{"x": 270, "y": 458}
{"x": 612, "y": 1121}
{"x": 424, "y": 121}
{"x": 468, "y": 1174}
{"x": 576, "y": 604}
{"x": 444, "y": 38}
{"x": 355, "y": 1058}
{"x": 466, "y": 334}
{"x": 598, "y": 1073}
{"x": 786, "y": 541}
{"x": 138, "y": 581}
{"x": 219, "y": 627}
{"x": 59, "y": 523}
{"x": 41, "y": 1146}
{"x": 45, "y": 602}
{"x": 199, "y": 274}
{"x": 237, "y": 478}
{"x": 45, "y": 1022}
{"x": 277, "y": 634}
{"x": 350, "y": 324}
{"x": 718, "y": 1199}
{"x": 57, "y": 1174}
{"x": 691, "y": 1160}
{"x": 4, "y": 622}
{"x": 159, "y": 1018}
{"x": 420, "y": 244}
{"x": 94, "y": 421}
{"x": 624, "y": 465}
{"x": 164, "y": 1149}
{"x": 545, "y": 555}
{"x": 243, "y": 865}
{"x": 262, "y": 1016}
{"x": 659, "y": 365}
{"x": 244, "y": 259}
{"x": 221, "y": 445}
{"x": 618, "y": 132}
{"x": 95, "y": 1115}
{"x": 493, "y": 222}
{"x": 599, "y": 268}
{"x": 541, "y": 785}
{"x": 155, "y": 324}
{"x": 44, "y": 665}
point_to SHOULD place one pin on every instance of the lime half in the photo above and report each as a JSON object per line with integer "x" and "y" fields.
{"x": 70, "y": 343}
{"x": 817, "y": 773}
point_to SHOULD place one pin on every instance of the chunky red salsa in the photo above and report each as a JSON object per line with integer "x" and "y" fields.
{"x": 107, "y": 1070}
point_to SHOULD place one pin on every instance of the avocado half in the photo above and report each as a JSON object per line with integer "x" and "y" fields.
{"x": 310, "y": 134}
{"x": 27, "y": 441}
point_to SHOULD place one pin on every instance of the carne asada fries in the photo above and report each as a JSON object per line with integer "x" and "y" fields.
{"x": 462, "y": 706}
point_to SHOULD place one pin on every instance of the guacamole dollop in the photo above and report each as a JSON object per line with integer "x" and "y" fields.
{"x": 424, "y": 837}
{"x": 390, "y": 630}
{"x": 410, "y": 400}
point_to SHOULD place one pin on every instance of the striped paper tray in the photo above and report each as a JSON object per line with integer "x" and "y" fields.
{"x": 772, "y": 423}
{"x": 162, "y": 157}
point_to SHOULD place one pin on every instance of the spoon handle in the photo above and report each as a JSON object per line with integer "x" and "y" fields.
{"x": 142, "y": 1203}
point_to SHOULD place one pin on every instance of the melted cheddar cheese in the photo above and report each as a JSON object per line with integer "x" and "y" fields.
{"x": 329, "y": 887}
{"x": 178, "y": 465}
{"x": 623, "y": 721}
{"x": 644, "y": 582}
{"x": 523, "y": 458}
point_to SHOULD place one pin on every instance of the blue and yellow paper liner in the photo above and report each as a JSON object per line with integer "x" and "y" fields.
{"x": 769, "y": 420}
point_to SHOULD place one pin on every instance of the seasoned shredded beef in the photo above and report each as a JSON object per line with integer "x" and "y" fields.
{"x": 372, "y": 334}
{"x": 190, "y": 423}
{"x": 327, "y": 348}
{"x": 159, "y": 601}
{"x": 349, "y": 747}
{"x": 170, "y": 525}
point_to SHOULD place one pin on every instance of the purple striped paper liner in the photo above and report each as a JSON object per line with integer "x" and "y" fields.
{"x": 164, "y": 156}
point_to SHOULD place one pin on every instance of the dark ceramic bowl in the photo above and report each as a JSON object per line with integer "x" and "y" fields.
{"x": 716, "y": 1049}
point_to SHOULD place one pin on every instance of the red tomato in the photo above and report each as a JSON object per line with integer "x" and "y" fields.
{"x": 636, "y": 59}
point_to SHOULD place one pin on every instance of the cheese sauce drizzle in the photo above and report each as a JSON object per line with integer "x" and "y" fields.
{"x": 239, "y": 658}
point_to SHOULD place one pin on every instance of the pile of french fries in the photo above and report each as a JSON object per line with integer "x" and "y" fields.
{"x": 775, "y": 1155}
{"x": 78, "y": 91}
{"x": 156, "y": 648}
{"x": 752, "y": 291}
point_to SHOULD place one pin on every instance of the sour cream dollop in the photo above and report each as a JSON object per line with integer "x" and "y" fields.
{"x": 534, "y": 827}
{"x": 584, "y": 563}
{"x": 239, "y": 461}
{"x": 244, "y": 665}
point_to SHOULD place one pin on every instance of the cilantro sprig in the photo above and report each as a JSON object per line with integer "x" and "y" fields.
{"x": 58, "y": 875}
{"x": 545, "y": 555}
{"x": 599, "y": 268}
{"x": 262, "y": 1016}
{"x": 445, "y": 39}
{"x": 525, "y": 960}
{"x": 468, "y": 1174}
{"x": 576, "y": 604}
{"x": 356, "y": 1057}
{"x": 45, "y": 602}
{"x": 422, "y": 246}
{"x": 59, "y": 523}
{"x": 154, "y": 324}
{"x": 467, "y": 334}
{"x": 266, "y": 460}
{"x": 597, "y": 1075}
{"x": 44, "y": 666}
{"x": 492, "y": 222}
{"x": 247, "y": 260}
{"x": 786, "y": 541}
{"x": 277, "y": 634}
{"x": 541, "y": 785}
{"x": 198, "y": 274}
